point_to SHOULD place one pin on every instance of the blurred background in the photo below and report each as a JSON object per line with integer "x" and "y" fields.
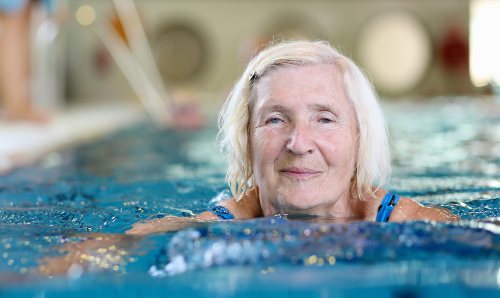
{"x": 83, "y": 52}
{"x": 410, "y": 48}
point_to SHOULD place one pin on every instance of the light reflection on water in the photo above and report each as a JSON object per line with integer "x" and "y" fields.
{"x": 459, "y": 138}
{"x": 445, "y": 153}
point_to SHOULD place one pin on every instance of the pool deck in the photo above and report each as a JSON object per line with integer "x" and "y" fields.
{"x": 24, "y": 143}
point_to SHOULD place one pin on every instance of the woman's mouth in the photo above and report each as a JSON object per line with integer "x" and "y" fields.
{"x": 300, "y": 173}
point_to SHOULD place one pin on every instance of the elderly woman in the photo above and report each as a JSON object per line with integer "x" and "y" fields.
{"x": 303, "y": 133}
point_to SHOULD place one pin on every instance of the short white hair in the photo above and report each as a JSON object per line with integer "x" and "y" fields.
{"x": 373, "y": 165}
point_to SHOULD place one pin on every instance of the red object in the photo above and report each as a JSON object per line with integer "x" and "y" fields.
{"x": 454, "y": 50}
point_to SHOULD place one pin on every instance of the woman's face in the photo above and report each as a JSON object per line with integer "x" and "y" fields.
{"x": 303, "y": 141}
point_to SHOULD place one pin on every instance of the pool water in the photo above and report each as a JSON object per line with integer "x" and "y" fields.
{"x": 446, "y": 153}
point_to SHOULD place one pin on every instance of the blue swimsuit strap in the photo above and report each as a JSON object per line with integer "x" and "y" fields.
{"x": 389, "y": 201}
{"x": 221, "y": 212}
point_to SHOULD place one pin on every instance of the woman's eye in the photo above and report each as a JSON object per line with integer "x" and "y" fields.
{"x": 326, "y": 120}
{"x": 274, "y": 120}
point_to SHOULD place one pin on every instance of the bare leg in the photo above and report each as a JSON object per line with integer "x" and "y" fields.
{"x": 15, "y": 66}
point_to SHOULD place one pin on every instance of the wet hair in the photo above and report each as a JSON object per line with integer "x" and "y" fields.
{"x": 372, "y": 167}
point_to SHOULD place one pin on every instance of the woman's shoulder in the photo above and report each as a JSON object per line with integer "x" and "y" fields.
{"x": 248, "y": 206}
{"x": 408, "y": 209}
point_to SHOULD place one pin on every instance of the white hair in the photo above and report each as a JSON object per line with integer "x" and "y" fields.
{"x": 373, "y": 157}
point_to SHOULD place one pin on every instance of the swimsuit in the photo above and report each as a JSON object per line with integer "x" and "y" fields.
{"x": 384, "y": 210}
{"x": 221, "y": 212}
{"x": 389, "y": 201}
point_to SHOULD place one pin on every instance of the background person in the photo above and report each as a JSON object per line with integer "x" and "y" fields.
{"x": 15, "y": 87}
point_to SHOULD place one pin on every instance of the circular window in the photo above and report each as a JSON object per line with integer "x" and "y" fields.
{"x": 396, "y": 50}
{"x": 180, "y": 52}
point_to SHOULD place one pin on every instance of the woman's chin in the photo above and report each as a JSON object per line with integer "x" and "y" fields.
{"x": 299, "y": 205}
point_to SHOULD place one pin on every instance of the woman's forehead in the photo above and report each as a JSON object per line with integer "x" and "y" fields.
{"x": 316, "y": 84}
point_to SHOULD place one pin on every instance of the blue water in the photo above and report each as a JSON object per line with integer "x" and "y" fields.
{"x": 445, "y": 153}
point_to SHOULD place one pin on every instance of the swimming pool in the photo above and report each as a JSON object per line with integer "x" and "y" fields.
{"x": 445, "y": 152}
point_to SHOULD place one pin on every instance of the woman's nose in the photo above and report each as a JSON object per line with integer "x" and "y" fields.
{"x": 301, "y": 140}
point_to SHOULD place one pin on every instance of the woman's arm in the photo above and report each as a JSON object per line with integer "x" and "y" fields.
{"x": 247, "y": 207}
{"x": 408, "y": 209}
{"x": 98, "y": 251}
